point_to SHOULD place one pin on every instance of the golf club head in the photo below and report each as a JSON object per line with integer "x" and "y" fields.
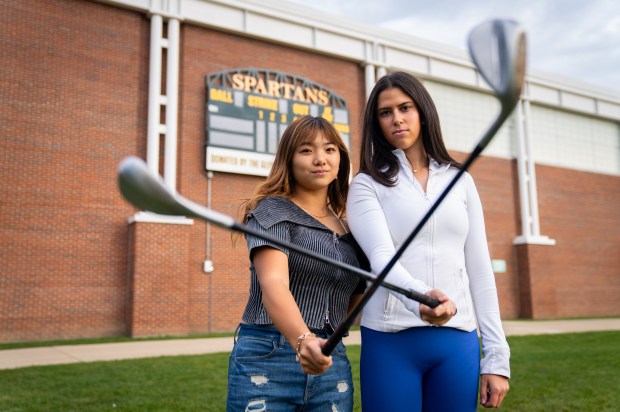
{"x": 498, "y": 49}
{"x": 143, "y": 189}
{"x": 147, "y": 191}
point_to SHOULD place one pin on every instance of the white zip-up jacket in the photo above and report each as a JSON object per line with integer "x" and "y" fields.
{"x": 450, "y": 253}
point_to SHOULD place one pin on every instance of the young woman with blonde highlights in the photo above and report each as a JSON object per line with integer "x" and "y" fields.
{"x": 294, "y": 302}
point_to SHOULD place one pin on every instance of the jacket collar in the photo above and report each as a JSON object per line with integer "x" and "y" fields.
{"x": 432, "y": 163}
{"x": 272, "y": 210}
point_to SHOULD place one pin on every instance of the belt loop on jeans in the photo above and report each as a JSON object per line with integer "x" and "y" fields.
{"x": 236, "y": 334}
{"x": 282, "y": 341}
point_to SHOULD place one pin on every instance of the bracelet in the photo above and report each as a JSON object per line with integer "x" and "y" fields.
{"x": 301, "y": 339}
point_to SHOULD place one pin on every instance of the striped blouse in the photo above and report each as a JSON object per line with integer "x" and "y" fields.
{"x": 321, "y": 291}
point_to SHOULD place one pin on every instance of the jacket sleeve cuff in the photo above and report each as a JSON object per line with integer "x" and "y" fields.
{"x": 412, "y": 305}
{"x": 496, "y": 361}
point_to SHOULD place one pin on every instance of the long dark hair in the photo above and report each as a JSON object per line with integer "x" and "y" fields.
{"x": 377, "y": 159}
{"x": 280, "y": 182}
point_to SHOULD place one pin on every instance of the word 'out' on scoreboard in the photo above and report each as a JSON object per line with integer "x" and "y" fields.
{"x": 249, "y": 109}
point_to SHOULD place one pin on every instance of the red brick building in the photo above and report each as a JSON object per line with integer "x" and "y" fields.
{"x": 81, "y": 91}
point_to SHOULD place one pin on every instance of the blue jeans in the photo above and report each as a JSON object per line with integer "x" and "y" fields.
{"x": 264, "y": 376}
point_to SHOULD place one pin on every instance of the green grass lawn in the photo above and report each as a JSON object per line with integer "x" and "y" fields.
{"x": 568, "y": 372}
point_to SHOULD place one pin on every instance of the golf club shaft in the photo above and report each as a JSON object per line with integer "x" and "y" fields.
{"x": 484, "y": 141}
{"x": 344, "y": 326}
{"x": 147, "y": 192}
{"x": 411, "y": 294}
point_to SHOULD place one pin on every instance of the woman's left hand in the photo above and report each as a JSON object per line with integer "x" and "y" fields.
{"x": 493, "y": 389}
{"x": 441, "y": 314}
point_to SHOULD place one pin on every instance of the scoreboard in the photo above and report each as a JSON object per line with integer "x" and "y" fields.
{"x": 249, "y": 109}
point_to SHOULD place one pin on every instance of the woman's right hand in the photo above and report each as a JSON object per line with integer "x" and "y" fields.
{"x": 441, "y": 314}
{"x": 311, "y": 359}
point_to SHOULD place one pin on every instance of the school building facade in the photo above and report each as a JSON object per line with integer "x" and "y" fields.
{"x": 202, "y": 89}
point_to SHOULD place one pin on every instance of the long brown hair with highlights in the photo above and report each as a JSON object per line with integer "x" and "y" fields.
{"x": 280, "y": 182}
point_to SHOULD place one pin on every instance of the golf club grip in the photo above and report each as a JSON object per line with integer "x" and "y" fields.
{"x": 429, "y": 301}
{"x": 345, "y": 325}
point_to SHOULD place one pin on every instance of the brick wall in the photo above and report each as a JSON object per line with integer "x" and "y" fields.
{"x": 577, "y": 277}
{"x": 580, "y": 275}
{"x": 159, "y": 284}
{"x": 74, "y": 77}
{"x": 498, "y": 188}
{"x": 74, "y": 103}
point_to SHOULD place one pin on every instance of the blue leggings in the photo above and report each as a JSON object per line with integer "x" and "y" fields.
{"x": 419, "y": 369}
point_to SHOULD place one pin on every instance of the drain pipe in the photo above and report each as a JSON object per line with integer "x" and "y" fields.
{"x": 208, "y": 263}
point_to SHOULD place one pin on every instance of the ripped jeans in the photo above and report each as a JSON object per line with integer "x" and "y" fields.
{"x": 263, "y": 376}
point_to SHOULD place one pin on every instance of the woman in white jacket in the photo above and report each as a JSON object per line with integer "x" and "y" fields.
{"x": 407, "y": 362}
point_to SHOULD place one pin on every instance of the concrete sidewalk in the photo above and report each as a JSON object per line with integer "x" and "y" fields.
{"x": 55, "y": 355}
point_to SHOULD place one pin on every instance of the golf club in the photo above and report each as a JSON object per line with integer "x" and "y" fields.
{"x": 497, "y": 48}
{"x": 148, "y": 192}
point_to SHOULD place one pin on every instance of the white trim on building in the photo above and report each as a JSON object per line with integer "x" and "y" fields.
{"x": 299, "y": 26}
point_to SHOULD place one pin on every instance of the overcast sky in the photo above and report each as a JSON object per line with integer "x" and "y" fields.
{"x": 576, "y": 39}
